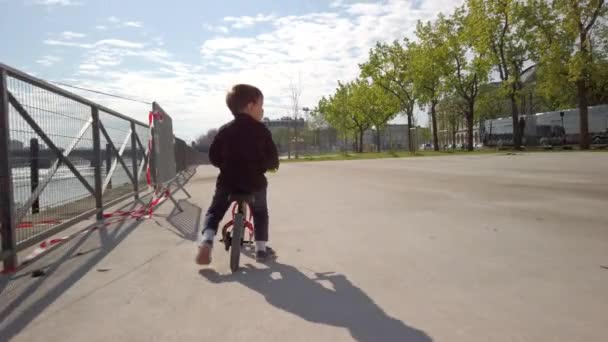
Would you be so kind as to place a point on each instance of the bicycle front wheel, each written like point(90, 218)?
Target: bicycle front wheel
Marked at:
point(237, 237)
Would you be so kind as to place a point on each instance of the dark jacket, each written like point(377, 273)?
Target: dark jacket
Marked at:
point(243, 150)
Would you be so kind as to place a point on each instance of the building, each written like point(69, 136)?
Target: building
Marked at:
point(549, 128)
point(463, 134)
point(392, 137)
point(284, 122)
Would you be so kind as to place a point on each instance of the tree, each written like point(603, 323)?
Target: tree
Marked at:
point(500, 26)
point(281, 137)
point(429, 58)
point(467, 67)
point(490, 104)
point(203, 142)
point(295, 91)
point(449, 115)
point(340, 112)
point(425, 133)
point(356, 120)
point(373, 103)
point(316, 123)
point(550, 48)
point(389, 66)
point(563, 32)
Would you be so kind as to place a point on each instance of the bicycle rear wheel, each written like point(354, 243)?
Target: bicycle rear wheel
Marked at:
point(237, 237)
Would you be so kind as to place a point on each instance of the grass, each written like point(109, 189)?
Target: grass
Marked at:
point(382, 155)
point(406, 154)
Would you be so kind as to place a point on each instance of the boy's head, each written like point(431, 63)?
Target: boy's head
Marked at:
point(247, 99)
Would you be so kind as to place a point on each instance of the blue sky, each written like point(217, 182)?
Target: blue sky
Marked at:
point(185, 54)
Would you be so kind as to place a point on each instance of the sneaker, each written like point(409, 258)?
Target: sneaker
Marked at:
point(262, 256)
point(204, 253)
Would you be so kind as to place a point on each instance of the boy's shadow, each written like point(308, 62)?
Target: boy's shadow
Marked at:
point(346, 305)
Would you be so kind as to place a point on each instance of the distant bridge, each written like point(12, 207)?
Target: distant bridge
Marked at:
point(46, 158)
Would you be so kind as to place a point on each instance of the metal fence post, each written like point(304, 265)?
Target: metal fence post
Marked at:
point(7, 219)
point(97, 162)
point(108, 164)
point(134, 160)
point(35, 172)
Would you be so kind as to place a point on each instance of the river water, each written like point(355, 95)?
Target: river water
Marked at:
point(64, 187)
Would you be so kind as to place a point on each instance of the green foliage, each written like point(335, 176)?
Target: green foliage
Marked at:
point(449, 65)
point(429, 59)
point(389, 67)
point(569, 43)
point(373, 103)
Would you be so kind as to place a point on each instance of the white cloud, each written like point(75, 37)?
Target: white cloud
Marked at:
point(136, 24)
point(247, 21)
point(217, 29)
point(103, 42)
point(88, 67)
point(118, 23)
point(101, 27)
point(48, 60)
point(119, 43)
point(159, 41)
point(62, 43)
point(59, 3)
point(322, 47)
point(336, 3)
point(368, 9)
point(69, 35)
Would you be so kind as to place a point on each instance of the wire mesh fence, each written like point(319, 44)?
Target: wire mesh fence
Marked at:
point(63, 158)
point(45, 193)
point(117, 169)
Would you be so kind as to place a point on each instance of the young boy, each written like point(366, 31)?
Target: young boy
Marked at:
point(243, 150)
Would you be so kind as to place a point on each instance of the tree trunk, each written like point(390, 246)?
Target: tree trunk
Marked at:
point(409, 132)
point(584, 114)
point(434, 119)
point(296, 137)
point(379, 148)
point(361, 132)
point(318, 140)
point(470, 123)
point(515, 117)
point(288, 143)
point(582, 96)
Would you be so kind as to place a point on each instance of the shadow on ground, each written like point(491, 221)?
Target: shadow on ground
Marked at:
point(346, 305)
point(23, 297)
point(186, 223)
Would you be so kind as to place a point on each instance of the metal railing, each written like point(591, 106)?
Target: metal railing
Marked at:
point(63, 158)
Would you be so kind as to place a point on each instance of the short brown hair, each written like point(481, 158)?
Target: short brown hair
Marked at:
point(241, 95)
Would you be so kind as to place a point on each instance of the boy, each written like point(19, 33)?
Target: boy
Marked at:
point(243, 150)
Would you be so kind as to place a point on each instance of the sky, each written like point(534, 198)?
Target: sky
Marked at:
point(186, 54)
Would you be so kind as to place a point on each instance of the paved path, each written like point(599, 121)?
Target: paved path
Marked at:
point(478, 248)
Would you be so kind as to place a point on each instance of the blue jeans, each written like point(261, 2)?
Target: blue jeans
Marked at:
point(221, 203)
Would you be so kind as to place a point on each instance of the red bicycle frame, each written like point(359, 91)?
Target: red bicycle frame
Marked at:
point(248, 222)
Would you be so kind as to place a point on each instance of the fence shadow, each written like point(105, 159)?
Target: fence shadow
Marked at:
point(346, 306)
point(186, 223)
point(23, 297)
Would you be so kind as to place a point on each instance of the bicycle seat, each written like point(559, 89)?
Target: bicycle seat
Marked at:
point(242, 197)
